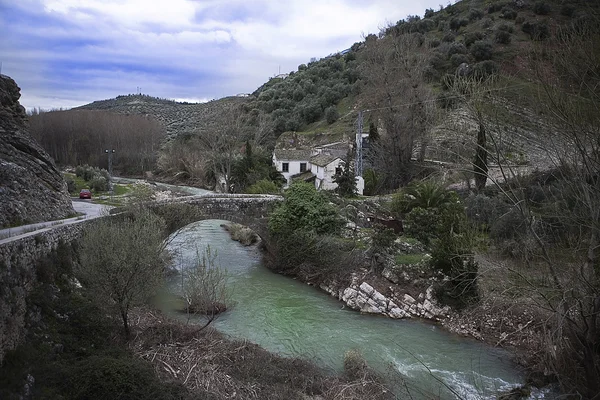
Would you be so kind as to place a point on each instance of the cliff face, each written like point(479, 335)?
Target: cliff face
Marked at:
point(31, 187)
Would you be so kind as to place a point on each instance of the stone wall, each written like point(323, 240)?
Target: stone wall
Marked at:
point(18, 259)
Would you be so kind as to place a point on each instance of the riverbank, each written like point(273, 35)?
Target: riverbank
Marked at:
point(407, 291)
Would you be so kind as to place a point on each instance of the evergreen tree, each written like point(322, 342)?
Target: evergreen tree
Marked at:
point(346, 181)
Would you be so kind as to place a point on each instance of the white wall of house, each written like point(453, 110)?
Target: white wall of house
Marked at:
point(293, 168)
point(324, 175)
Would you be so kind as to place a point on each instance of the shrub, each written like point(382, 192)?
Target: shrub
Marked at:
point(482, 50)
point(475, 14)
point(331, 114)
point(508, 13)
point(510, 225)
point(484, 69)
point(456, 48)
point(537, 30)
point(472, 37)
point(567, 10)
point(448, 37)
point(429, 13)
point(506, 27)
point(483, 210)
point(305, 209)
point(71, 186)
point(495, 7)
point(541, 8)
point(503, 37)
point(99, 183)
point(264, 186)
point(434, 43)
point(457, 23)
point(458, 59)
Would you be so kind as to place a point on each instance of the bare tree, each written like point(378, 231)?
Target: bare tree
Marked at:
point(203, 287)
point(397, 95)
point(223, 146)
point(122, 261)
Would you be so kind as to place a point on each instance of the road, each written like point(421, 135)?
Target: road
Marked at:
point(86, 208)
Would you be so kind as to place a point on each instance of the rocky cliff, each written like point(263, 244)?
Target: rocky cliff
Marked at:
point(31, 188)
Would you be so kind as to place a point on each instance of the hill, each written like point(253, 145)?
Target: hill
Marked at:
point(177, 118)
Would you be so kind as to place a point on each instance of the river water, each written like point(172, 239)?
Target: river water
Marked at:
point(294, 319)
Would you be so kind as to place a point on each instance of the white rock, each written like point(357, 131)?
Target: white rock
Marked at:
point(366, 288)
point(409, 299)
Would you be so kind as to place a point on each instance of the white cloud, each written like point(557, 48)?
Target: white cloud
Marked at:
point(184, 49)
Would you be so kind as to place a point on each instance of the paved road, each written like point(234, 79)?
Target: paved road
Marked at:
point(86, 207)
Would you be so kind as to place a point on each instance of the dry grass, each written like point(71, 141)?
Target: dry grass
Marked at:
point(213, 366)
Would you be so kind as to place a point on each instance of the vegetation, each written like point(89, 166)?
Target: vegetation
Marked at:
point(79, 137)
point(122, 261)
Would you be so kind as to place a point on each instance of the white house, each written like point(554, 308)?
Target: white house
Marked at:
point(324, 167)
point(319, 165)
point(291, 162)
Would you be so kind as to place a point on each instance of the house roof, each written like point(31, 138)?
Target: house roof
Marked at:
point(323, 159)
point(293, 154)
point(306, 176)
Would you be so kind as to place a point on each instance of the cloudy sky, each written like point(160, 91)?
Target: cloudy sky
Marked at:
point(65, 53)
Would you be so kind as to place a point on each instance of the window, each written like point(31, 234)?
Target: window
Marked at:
point(338, 170)
point(285, 167)
point(302, 167)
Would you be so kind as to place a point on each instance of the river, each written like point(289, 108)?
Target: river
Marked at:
point(294, 319)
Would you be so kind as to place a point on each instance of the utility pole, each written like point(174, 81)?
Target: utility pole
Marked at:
point(110, 153)
point(358, 165)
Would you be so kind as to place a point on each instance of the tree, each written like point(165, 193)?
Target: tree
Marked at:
point(122, 261)
point(346, 181)
point(393, 71)
point(203, 287)
point(565, 219)
point(304, 209)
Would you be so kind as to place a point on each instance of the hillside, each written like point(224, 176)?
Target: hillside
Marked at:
point(178, 118)
point(430, 82)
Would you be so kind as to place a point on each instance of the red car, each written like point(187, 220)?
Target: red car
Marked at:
point(85, 194)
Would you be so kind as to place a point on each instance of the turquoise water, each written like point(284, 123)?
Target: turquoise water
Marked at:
point(294, 319)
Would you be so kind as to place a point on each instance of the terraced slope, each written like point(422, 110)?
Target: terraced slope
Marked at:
point(178, 118)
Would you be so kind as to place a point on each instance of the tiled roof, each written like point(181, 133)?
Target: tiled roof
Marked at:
point(306, 176)
point(323, 159)
point(293, 154)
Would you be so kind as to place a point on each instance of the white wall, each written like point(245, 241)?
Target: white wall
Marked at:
point(293, 169)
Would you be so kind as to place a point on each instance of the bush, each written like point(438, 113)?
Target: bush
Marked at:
point(458, 59)
point(483, 210)
point(503, 37)
point(71, 186)
point(541, 8)
point(99, 184)
point(482, 50)
point(448, 37)
point(472, 37)
point(567, 10)
point(124, 378)
point(475, 14)
point(456, 48)
point(331, 114)
point(264, 186)
point(457, 23)
point(536, 30)
point(484, 69)
point(304, 208)
point(508, 13)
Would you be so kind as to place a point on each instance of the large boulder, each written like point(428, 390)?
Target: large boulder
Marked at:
point(31, 187)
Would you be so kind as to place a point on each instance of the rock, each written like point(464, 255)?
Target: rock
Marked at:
point(390, 274)
point(31, 187)
point(409, 299)
point(366, 288)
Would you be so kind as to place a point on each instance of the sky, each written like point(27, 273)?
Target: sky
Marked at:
point(66, 53)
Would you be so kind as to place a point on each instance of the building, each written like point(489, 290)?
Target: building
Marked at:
point(318, 165)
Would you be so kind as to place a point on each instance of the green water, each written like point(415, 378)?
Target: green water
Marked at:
point(294, 319)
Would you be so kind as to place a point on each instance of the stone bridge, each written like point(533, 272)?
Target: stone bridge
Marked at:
point(245, 209)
